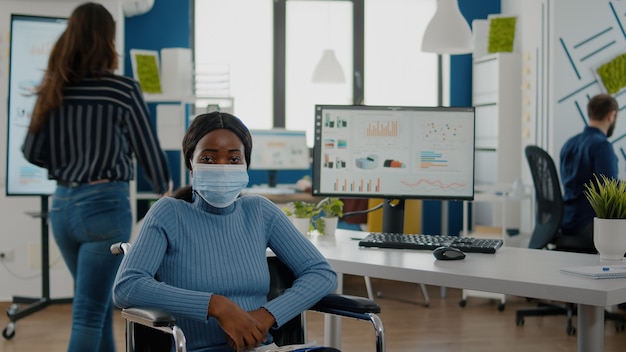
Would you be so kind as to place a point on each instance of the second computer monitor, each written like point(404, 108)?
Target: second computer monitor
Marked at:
point(394, 152)
point(279, 149)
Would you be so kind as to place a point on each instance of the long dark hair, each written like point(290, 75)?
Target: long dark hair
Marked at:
point(85, 48)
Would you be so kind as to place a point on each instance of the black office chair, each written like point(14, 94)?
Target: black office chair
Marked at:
point(547, 234)
point(153, 330)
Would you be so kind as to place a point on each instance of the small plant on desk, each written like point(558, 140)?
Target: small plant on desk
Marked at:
point(330, 208)
point(607, 197)
point(302, 210)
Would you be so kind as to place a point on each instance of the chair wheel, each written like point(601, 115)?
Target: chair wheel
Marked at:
point(13, 308)
point(462, 303)
point(9, 331)
point(519, 321)
point(571, 331)
point(619, 326)
point(501, 307)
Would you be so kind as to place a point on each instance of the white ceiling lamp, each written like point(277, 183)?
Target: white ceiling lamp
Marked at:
point(133, 8)
point(328, 69)
point(448, 32)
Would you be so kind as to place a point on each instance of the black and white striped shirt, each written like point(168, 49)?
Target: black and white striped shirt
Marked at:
point(94, 134)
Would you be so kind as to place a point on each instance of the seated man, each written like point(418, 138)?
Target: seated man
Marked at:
point(203, 257)
point(583, 155)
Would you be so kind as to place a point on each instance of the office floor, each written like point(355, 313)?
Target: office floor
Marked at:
point(442, 327)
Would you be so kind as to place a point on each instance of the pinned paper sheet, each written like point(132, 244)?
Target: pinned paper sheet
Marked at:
point(145, 65)
point(170, 130)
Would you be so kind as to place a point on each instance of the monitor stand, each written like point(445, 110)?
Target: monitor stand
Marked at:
point(271, 178)
point(393, 216)
point(393, 222)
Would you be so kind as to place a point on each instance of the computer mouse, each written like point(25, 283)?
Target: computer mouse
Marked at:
point(448, 253)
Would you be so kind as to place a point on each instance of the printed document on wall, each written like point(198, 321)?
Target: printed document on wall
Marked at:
point(169, 121)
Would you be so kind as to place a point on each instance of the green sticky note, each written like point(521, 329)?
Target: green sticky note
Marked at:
point(501, 34)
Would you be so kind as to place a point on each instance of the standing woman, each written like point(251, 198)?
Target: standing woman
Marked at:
point(87, 125)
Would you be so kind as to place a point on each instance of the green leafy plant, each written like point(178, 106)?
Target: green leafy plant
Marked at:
point(328, 208)
point(301, 209)
point(331, 207)
point(607, 197)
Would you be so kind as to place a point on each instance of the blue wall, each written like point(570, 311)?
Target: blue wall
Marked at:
point(167, 25)
point(460, 95)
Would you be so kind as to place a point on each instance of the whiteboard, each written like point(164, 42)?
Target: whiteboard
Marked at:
point(32, 38)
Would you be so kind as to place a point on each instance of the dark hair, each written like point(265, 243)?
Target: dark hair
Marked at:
point(85, 49)
point(185, 193)
point(205, 123)
point(600, 106)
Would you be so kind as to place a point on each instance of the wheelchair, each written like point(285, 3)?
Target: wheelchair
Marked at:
point(154, 330)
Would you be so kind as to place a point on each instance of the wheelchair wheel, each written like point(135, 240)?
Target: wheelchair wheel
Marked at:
point(9, 331)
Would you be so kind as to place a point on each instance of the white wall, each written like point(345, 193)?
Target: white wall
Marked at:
point(533, 99)
point(562, 41)
point(19, 232)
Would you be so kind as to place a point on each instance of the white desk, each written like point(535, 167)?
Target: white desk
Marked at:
point(515, 271)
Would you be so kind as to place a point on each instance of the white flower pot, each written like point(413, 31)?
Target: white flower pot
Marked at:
point(302, 224)
point(330, 225)
point(609, 237)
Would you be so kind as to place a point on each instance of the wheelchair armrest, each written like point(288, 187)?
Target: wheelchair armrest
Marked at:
point(149, 317)
point(356, 307)
point(347, 305)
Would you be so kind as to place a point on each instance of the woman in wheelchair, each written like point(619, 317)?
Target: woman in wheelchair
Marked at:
point(202, 257)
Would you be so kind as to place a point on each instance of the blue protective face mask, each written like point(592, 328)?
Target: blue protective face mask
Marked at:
point(219, 184)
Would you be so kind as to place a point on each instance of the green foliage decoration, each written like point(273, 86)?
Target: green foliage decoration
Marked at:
point(613, 74)
point(501, 34)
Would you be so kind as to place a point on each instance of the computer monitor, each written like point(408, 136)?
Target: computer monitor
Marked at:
point(394, 153)
point(32, 38)
point(279, 149)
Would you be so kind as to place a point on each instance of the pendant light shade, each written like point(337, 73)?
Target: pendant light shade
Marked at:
point(448, 32)
point(328, 70)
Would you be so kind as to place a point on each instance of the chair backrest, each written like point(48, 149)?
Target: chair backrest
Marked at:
point(548, 197)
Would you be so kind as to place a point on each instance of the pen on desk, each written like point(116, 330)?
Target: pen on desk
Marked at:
point(355, 238)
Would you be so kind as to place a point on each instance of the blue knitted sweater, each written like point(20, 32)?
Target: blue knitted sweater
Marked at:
point(185, 252)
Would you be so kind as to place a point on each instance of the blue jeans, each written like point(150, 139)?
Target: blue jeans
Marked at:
point(85, 221)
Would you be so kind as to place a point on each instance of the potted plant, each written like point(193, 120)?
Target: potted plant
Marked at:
point(301, 213)
point(330, 210)
point(607, 197)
